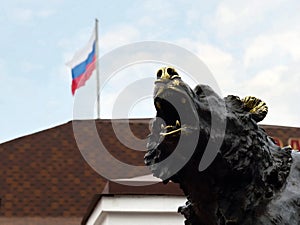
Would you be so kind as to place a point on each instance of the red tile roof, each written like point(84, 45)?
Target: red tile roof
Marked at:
point(45, 175)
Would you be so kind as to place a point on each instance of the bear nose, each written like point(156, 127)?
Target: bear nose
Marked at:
point(166, 73)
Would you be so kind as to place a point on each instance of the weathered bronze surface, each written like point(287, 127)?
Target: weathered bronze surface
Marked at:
point(251, 181)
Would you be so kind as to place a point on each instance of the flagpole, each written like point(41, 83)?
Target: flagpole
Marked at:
point(97, 70)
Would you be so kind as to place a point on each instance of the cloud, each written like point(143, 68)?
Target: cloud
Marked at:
point(30, 67)
point(159, 9)
point(273, 57)
point(45, 13)
point(108, 40)
point(25, 15)
point(117, 37)
point(270, 82)
point(285, 45)
point(255, 65)
point(278, 87)
point(22, 15)
point(192, 16)
point(125, 90)
point(18, 97)
point(236, 16)
point(221, 63)
point(2, 69)
point(158, 19)
point(76, 41)
point(274, 83)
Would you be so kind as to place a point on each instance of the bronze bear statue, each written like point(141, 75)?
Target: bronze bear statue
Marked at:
point(250, 180)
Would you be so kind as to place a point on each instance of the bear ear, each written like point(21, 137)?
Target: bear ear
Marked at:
point(256, 107)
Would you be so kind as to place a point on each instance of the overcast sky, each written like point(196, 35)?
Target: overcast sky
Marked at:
point(251, 48)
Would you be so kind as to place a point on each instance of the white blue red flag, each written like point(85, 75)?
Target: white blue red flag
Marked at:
point(83, 64)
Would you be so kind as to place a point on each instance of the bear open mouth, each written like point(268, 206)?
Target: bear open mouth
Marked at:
point(167, 112)
point(177, 116)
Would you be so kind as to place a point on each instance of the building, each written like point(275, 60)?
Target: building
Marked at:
point(44, 178)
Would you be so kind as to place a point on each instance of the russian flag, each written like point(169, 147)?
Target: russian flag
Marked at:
point(83, 64)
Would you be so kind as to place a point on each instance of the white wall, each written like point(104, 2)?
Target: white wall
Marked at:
point(137, 210)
